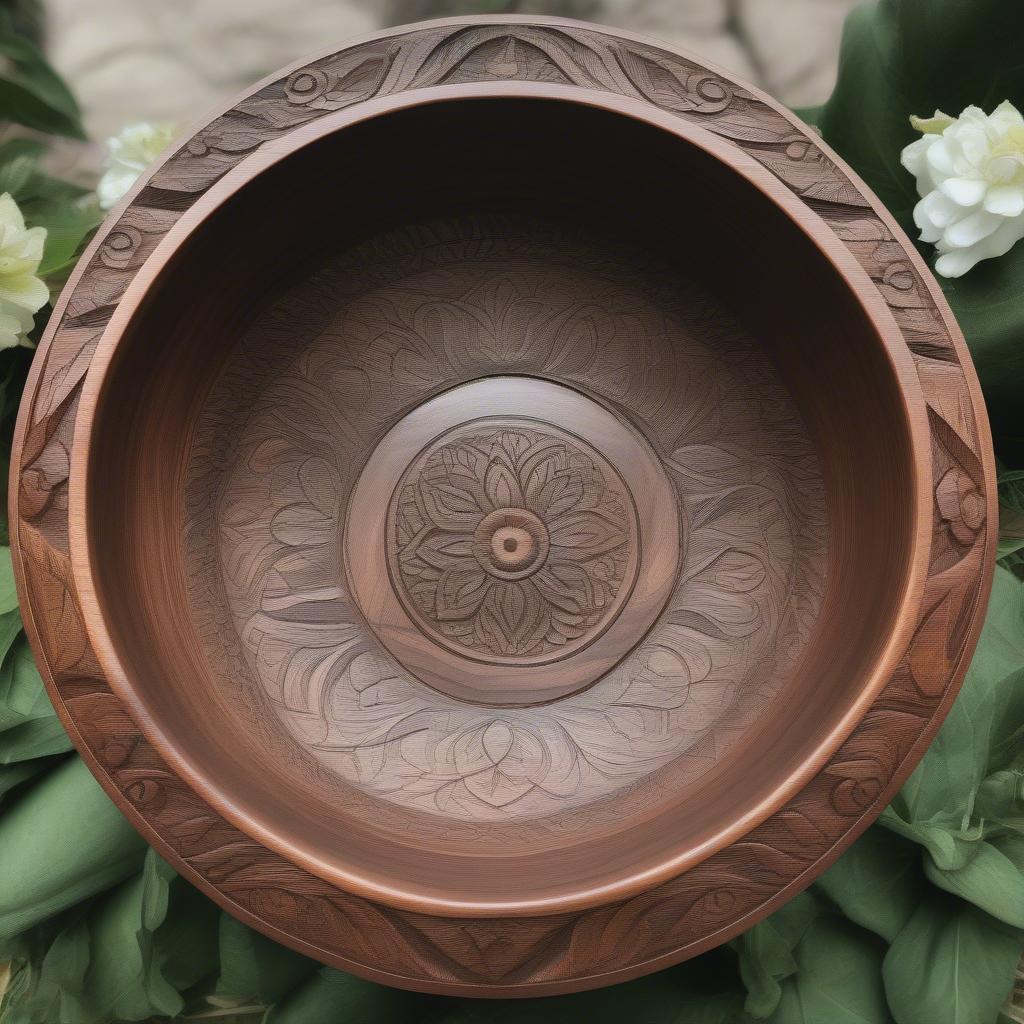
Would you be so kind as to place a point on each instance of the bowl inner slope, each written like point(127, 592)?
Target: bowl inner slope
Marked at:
point(497, 501)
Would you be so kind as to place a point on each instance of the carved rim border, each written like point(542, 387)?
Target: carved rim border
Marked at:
point(508, 956)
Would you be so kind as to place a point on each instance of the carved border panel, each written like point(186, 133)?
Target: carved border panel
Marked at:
point(728, 891)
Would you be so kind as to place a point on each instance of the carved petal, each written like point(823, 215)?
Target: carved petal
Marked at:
point(503, 490)
point(666, 672)
point(584, 534)
point(514, 618)
point(568, 586)
point(449, 507)
point(559, 495)
point(320, 486)
point(733, 614)
point(440, 548)
point(734, 570)
point(460, 590)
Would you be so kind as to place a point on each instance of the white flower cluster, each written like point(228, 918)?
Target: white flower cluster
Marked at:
point(129, 153)
point(970, 175)
point(22, 294)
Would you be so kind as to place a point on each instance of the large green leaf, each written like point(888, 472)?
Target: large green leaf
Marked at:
point(838, 977)
point(766, 960)
point(31, 92)
point(330, 997)
point(67, 212)
point(903, 57)
point(878, 882)
point(62, 842)
point(766, 953)
point(989, 879)
point(253, 968)
point(952, 963)
point(68, 225)
point(1011, 511)
point(29, 727)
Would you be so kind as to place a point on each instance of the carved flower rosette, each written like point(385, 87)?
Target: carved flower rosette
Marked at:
point(512, 542)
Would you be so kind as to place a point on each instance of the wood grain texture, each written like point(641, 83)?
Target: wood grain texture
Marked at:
point(613, 937)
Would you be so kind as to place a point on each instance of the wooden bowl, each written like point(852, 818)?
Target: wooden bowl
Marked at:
point(524, 507)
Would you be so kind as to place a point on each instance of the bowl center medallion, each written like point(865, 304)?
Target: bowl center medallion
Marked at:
point(512, 540)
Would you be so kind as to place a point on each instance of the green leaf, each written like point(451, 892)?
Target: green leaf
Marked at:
point(254, 967)
point(14, 775)
point(330, 997)
point(951, 963)
point(8, 590)
point(68, 214)
point(766, 953)
point(988, 879)
point(31, 92)
point(1011, 511)
point(1000, 800)
point(125, 977)
point(67, 228)
point(878, 882)
point(688, 994)
point(29, 727)
point(766, 959)
point(60, 843)
point(186, 940)
point(903, 57)
point(19, 162)
point(838, 977)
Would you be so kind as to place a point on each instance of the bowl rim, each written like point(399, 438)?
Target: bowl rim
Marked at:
point(240, 812)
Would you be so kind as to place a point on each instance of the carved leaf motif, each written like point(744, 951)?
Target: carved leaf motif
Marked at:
point(949, 604)
point(658, 81)
point(665, 678)
point(52, 591)
point(585, 533)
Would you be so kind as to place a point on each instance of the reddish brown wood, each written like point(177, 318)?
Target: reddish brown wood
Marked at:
point(527, 510)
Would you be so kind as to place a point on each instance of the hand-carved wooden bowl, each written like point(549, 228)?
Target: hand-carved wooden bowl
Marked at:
point(502, 507)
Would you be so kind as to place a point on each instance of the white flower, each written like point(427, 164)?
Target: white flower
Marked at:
point(128, 154)
point(22, 294)
point(970, 173)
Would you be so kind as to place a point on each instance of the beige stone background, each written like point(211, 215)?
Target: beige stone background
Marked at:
point(132, 60)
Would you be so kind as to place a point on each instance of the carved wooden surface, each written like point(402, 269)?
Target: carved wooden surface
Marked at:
point(717, 646)
point(511, 539)
point(709, 902)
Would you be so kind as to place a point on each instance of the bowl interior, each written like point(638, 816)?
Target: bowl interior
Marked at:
point(512, 251)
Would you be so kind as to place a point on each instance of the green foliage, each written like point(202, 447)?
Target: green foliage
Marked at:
point(1011, 512)
point(951, 963)
point(31, 92)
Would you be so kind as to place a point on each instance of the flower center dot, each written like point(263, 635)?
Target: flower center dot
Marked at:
point(512, 547)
